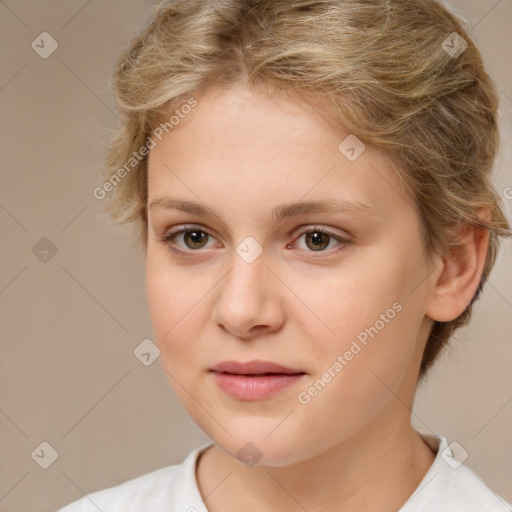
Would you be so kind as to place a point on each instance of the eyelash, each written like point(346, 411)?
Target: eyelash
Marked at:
point(169, 236)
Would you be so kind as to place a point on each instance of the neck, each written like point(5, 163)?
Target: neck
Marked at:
point(378, 465)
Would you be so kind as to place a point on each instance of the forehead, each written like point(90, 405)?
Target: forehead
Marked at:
point(269, 150)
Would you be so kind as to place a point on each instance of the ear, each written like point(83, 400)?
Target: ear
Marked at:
point(461, 271)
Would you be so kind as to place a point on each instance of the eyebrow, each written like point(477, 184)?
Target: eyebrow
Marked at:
point(280, 212)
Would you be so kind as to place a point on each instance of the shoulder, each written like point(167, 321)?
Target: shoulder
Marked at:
point(155, 491)
point(451, 486)
point(464, 488)
point(129, 494)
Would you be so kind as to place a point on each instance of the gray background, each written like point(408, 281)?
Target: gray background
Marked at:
point(69, 325)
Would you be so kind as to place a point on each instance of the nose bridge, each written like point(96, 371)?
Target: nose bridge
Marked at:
point(247, 271)
point(245, 292)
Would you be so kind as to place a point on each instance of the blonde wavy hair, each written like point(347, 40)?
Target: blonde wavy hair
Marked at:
point(377, 68)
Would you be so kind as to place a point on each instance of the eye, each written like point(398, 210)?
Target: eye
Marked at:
point(317, 239)
point(193, 238)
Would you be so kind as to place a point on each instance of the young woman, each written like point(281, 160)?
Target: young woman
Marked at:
point(312, 183)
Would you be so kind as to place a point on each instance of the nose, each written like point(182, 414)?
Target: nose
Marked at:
point(248, 302)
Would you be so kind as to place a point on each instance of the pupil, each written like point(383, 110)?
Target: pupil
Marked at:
point(196, 236)
point(318, 238)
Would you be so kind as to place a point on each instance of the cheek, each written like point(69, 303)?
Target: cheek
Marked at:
point(370, 314)
point(358, 376)
point(171, 313)
point(158, 294)
point(355, 295)
point(171, 299)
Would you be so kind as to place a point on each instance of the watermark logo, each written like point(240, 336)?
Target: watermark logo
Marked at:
point(249, 454)
point(305, 397)
point(146, 352)
point(351, 148)
point(137, 156)
point(45, 455)
point(454, 455)
point(454, 45)
point(44, 45)
point(249, 249)
point(44, 250)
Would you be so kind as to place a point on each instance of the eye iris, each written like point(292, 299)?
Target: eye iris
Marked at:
point(317, 237)
point(196, 237)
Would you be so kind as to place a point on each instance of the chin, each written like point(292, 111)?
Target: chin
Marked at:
point(260, 449)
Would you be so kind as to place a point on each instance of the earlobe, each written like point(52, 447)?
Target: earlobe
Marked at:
point(462, 267)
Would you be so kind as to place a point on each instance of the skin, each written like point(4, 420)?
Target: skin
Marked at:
point(352, 447)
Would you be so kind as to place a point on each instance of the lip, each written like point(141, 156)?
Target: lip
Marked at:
point(254, 367)
point(254, 380)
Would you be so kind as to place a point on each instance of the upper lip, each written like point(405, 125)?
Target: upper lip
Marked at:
point(252, 368)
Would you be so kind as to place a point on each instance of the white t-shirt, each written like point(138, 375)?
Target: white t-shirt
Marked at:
point(447, 487)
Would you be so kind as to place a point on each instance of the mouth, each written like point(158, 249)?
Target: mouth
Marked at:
point(254, 368)
point(254, 380)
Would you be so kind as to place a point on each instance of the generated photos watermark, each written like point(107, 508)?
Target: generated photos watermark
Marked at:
point(137, 156)
point(357, 345)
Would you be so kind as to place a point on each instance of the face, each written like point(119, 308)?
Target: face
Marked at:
point(334, 296)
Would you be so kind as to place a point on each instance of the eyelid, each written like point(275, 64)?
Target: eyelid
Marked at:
point(186, 227)
point(315, 227)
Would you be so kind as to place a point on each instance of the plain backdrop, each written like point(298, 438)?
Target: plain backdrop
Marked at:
point(72, 295)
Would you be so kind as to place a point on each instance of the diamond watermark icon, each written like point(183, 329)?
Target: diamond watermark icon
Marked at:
point(45, 455)
point(146, 352)
point(249, 249)
point(454, 45)
point(249, 454)
point(44, 45)
point(44, 250)
point(351, 148)
point(454, 455)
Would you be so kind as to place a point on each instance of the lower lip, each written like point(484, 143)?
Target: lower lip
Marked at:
point(255, 387)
